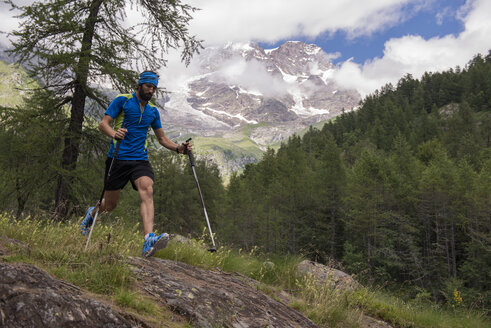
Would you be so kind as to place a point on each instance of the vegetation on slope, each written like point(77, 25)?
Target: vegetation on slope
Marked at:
point(58, 248)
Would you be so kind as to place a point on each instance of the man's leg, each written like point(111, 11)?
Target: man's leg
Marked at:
point(152, 243)
point(109, 202)
point(144, 185)
point(110, 198)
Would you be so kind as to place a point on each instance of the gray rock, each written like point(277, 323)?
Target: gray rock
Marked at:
point(214, 298)
point(29, 297)
point(323, 274)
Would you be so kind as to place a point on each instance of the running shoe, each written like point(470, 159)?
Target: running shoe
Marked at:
point(154, 243)
point(87, 221)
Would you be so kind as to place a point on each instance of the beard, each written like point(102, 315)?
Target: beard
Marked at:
point(144, 95)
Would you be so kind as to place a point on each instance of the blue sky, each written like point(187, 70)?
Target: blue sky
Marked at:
point(437, 20)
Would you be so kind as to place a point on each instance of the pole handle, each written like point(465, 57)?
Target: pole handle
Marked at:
point(190, 154)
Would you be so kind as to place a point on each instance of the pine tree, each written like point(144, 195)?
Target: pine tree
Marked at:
point(71, 45)
point(477, 267)
point(367, 221)
point(26, 155)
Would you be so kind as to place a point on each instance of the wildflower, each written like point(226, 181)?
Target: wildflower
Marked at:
point(457, 297)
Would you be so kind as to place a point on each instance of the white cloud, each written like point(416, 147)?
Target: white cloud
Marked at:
point(441, 15)
point(7, 20)
point(251, 75)
point(220, 21)
point(415, 55)
point(7, 23)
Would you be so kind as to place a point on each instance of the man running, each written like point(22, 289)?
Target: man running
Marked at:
point(132, 116)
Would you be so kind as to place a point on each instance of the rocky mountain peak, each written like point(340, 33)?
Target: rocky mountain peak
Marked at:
point(242, 83)
point(299, 58)
point(274, 92)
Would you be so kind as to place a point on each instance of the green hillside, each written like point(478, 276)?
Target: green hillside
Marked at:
point(398, 191)
point(13, 81)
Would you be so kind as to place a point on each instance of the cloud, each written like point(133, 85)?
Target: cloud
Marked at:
point(441, 15)
point(7, 23)
point(250, 75)
point(221, 21)
point(416, 55)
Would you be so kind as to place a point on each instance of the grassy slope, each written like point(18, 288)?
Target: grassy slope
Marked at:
point(58, 248)
point(12, 80)
point(237, 146)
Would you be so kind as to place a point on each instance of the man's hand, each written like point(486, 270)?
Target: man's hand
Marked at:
point(120, 133)
point(185, 147)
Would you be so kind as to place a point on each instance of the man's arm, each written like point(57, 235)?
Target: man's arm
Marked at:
point(169, 144)
point(105, 127)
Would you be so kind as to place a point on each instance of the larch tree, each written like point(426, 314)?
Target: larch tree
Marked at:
point(73, 46)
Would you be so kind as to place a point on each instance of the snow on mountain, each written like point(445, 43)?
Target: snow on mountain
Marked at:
point(243, 84)
point(272, 92)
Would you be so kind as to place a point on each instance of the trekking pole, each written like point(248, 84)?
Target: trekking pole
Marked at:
point(191, 159)
point(98, 205)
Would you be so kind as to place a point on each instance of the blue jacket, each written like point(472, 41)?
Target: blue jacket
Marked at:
point(125, 110)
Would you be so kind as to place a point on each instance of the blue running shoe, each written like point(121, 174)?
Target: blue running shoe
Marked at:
point(87, 221)
point(154, 243)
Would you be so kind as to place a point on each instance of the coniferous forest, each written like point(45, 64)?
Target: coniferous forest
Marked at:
point(397, 192)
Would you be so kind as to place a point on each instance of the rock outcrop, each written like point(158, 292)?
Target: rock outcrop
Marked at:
point(213, 298)
point(30, 297)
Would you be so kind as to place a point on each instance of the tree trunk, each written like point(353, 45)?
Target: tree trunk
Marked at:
point(21, 199)
point(454, 256)
point(74, 132)
point(333, 232)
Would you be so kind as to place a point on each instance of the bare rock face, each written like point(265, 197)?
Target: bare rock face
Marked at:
point(29, 297)
point(213, 298)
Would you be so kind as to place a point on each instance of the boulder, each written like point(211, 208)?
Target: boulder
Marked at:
point(323, 274)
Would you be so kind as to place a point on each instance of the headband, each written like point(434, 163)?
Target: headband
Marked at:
point(149, 77)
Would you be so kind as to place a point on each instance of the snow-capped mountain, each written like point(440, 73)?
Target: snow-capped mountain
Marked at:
point(276, 92)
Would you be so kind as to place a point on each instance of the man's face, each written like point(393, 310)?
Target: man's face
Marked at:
point(146, 91)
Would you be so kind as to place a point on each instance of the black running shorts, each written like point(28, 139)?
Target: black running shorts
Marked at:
point(124, 171)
